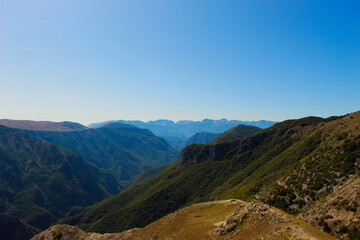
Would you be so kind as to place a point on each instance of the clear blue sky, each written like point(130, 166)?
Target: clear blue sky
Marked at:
point(90, 61)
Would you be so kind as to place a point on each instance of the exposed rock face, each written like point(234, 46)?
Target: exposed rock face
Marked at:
point(198, 153)
point(256, 211)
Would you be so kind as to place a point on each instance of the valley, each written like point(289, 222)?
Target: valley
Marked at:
point(179, 120)
point(262, 167)
point(252, 167)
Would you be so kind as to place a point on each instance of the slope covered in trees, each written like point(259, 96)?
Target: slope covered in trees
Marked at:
point(122, 149)
point(269, 165)
point(40, 182)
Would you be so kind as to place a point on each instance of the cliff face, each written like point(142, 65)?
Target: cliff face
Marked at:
point(195, 154)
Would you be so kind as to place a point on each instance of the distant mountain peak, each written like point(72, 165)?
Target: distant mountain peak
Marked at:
point(118, 125)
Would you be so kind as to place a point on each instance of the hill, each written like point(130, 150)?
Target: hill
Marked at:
point(122, 149)
point(42, 125)
point(236, 132)
point(230, 219)
point(231, 134)
point(296, 165)
point(40, 182)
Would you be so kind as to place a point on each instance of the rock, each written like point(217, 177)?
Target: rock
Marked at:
point(231, 227)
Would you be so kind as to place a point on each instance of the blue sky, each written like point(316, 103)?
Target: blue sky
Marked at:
point(91, 61)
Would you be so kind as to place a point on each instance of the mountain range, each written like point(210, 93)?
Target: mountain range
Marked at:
point(307, 167)
point(53, 170)
point(42, 125)
point(177, 133)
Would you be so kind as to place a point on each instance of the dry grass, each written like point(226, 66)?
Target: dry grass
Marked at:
point(199, 222)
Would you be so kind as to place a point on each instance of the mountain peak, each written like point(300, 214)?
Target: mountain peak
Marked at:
point(119, 125)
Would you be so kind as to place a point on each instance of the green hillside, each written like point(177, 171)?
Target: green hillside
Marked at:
point(40, 182)
point(267, 165)
point(141, 177)
point(122, 149)
point(236, 132)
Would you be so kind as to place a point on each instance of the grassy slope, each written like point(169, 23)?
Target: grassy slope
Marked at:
point(205, 220)
point(244, 168)
point(236, 132)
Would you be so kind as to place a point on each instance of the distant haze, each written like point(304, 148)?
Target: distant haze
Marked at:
point(177, 134)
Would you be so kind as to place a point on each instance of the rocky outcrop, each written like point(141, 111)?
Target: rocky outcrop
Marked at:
point(251, 211)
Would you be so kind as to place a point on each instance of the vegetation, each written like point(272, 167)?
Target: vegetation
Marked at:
point(236, 132)
point(122, 149)
point(269, 165)
point(40, 182)
point(139, 178)
point(14, 228)
point(229, 219)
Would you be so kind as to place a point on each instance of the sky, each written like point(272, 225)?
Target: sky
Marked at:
point(95, 60)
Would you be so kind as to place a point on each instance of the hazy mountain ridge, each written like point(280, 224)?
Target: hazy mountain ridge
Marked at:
point(40, 182)
point(201, 137)
point(245, 168)
point(42, 125)
point(177, 133)
point(123, 149)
